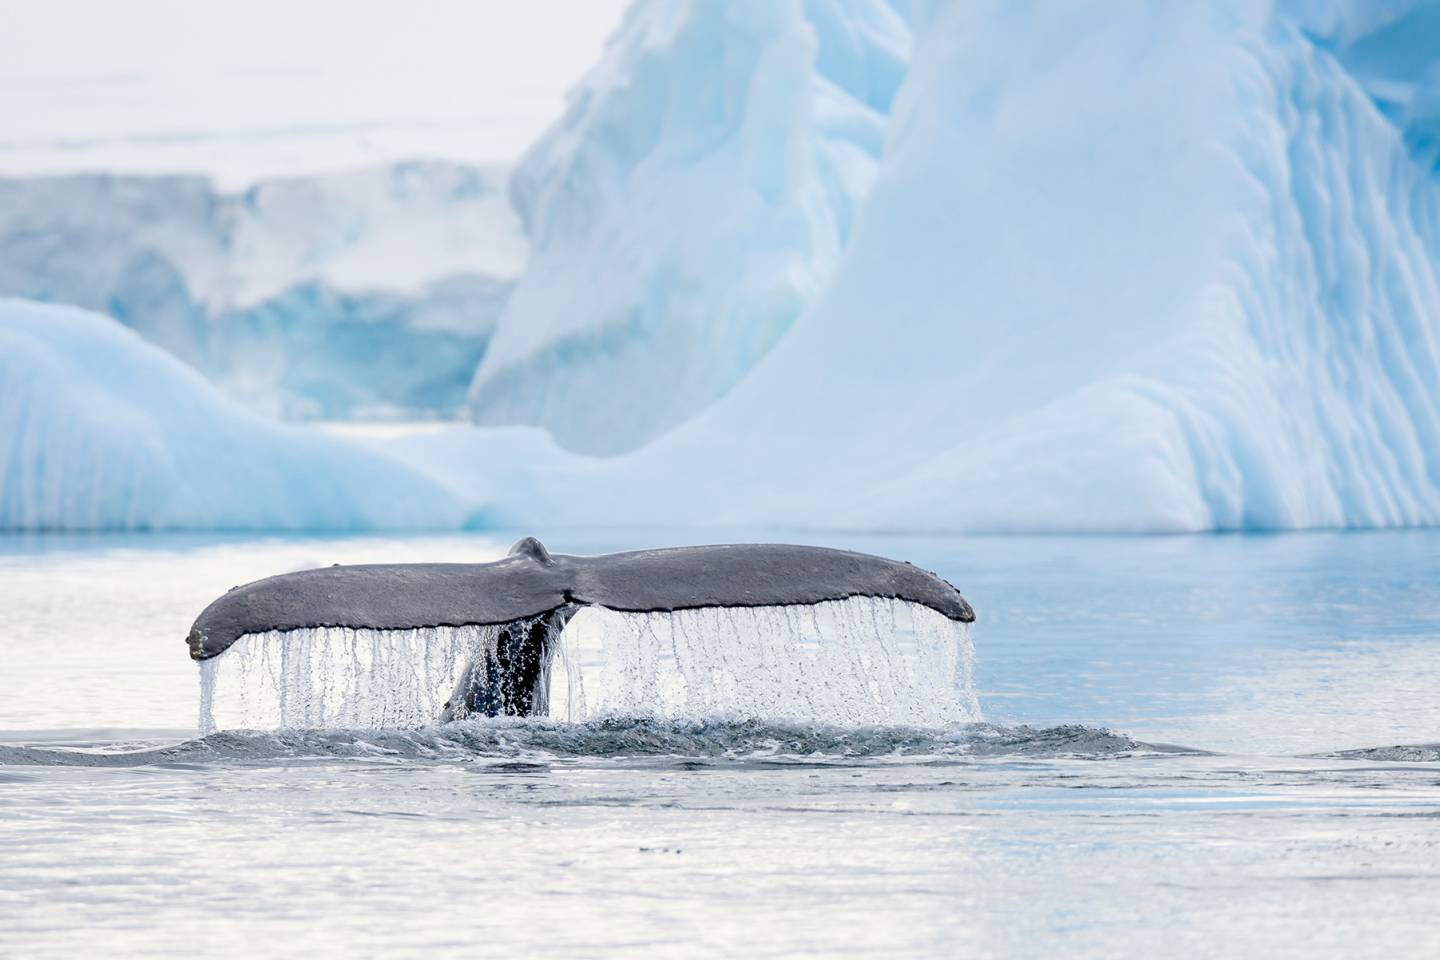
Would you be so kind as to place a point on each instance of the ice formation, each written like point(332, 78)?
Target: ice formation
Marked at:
point(1176, 272)
point(100, 430)
point(1122, 267)
point(692, 200)
point(850, 662)
point(369, 293)
point(1390, 49)
point(993, 266)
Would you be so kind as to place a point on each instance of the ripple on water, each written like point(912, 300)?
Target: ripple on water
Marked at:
point(534, 741)
point(1402, 753)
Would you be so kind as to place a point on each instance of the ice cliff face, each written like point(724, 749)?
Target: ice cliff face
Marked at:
point(1155, 266)
point(691, 202)
point(350, 294)
point(1390, 48)
point(1138, 266)
point(100, 430)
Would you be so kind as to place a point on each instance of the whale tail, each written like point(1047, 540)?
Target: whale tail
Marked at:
point(495, 627)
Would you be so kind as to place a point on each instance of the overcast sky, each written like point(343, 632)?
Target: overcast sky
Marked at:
point(263, 87)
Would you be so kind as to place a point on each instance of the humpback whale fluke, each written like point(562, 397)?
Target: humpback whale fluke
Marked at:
point(530, 595)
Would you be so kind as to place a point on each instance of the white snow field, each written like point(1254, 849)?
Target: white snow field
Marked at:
point(363, 293)
point(100, 430)
point(693, 198)
point(1138, 266)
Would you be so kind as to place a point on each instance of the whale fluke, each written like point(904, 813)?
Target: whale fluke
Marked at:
point(531, 593)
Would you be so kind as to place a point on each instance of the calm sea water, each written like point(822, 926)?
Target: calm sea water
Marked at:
point(1192, 746)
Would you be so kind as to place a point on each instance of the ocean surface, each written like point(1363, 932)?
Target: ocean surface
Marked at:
point(1189, 746)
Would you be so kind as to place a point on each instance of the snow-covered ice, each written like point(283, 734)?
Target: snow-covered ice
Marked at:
point(989, 266)
point(100, 430)
point(692, 200)
point(1123, 267)
point(360, 293)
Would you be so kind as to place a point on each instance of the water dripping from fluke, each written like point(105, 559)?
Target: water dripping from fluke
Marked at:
point(856, 662)
point(751, 632)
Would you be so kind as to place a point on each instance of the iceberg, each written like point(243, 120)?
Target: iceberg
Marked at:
point(692, 200)
point(1390, 49)
point(1141, 267)
point(101, 430)
point(981, 266)
point(362, 294)
point(1164, 268)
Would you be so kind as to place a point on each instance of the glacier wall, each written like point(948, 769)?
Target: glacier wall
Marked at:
point(369, 293)
point(101, 430)
point(690, 203)
point(1123, 267)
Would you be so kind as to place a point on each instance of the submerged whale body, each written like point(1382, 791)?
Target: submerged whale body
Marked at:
point(531, 594)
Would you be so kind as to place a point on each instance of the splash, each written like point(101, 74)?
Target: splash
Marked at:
point(860, 661)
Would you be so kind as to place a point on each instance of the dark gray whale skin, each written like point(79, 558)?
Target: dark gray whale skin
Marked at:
point(531, 583)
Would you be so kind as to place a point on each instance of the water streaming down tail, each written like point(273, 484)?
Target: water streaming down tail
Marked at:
point(859, 661)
